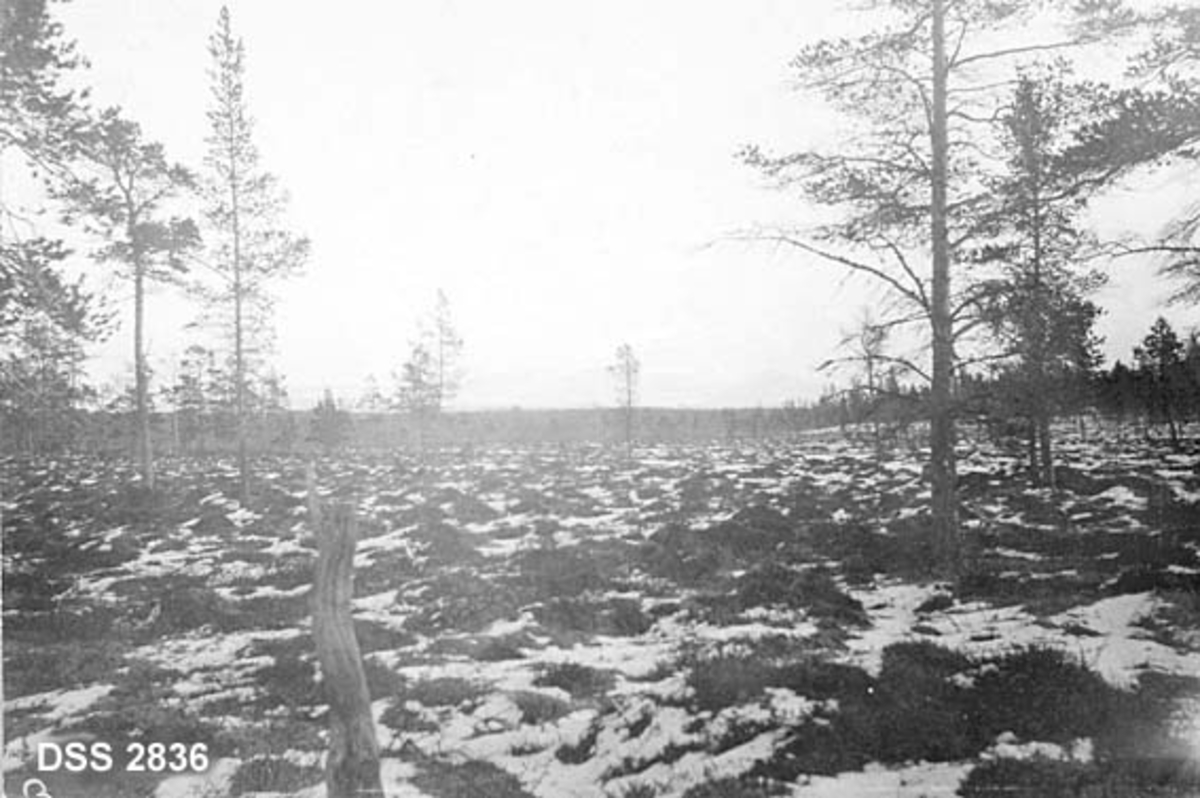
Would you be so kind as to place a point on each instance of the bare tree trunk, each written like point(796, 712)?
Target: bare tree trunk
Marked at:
point(352, 766)
point(141, 375)
point(1045, 448)
point(944, 501)
point(239, 366)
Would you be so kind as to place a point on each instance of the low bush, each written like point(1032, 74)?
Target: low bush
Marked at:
point(1040, 693)
point(638, 791)
point(382, 680)
point(471, 779)
point(447, 691)
point(776, 585)
point(290, 682)
point(498, 649)
point(273, 774)
point(1039, 777)
point(737, 787)
point(727, 680)
point(618, 617)
point(580, 681)
point(538, 708)
point(921, 713)
point(32, 669)
point(151, 720)
point(731, 679)
point(400, 718)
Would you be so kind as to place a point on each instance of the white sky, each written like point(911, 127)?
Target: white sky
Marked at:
point(558, 168)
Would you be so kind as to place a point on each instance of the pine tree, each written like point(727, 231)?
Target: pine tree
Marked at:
point(1160, 360)
point(45, 320)
point(244, 203)
point(625, 369)
point(118, 187)
point(416, 394)
point(1036, 308)
point(445, 345)
point(907, 181)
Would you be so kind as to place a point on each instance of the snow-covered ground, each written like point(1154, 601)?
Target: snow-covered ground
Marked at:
point(565, 616)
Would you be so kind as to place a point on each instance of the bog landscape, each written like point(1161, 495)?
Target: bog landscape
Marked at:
point(863, 460)
point(721, 620)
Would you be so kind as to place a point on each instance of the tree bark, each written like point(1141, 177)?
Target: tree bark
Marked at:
point(944, 502)
point(141, 377)
point(352, 766)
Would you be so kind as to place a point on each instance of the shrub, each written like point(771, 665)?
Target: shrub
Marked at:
point(471, 779)
point(291, 682)
point(817, 678)
point(922, 715)
point(374, 636)
point(580, 681)
point(622, 617)
point(273, 774)
point(773, 584)
point(398, 717)
point(382, 680)
point(1039, 777)
point(151, 720)
point(538, 708)
point(29, 669)
point(727, 680)
point(497, 649)
point(1038, 693)
point(638, 791)
point(736, 787)
point(448, 691)
point(273, 738)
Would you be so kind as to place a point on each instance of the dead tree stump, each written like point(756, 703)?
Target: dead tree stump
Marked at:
point(352, 768)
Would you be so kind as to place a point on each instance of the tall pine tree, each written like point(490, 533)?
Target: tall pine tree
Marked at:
point(249, 249)
point(919, 83)
point(1036, 306)
point(119, 187)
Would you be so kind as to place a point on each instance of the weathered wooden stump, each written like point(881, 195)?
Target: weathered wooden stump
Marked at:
point(352, 767)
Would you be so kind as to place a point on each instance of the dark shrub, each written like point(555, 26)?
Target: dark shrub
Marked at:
point(742, 787)
point(922, 715)
point(1039, 693)
point(36, 669)
point(498, 649)
point(400, 718)
point(471, 779)
point(447, 691)
point(538, 708)
point(579, 680)
point(727, 680)
point(1044, 778)
point(815, 591)
point(273, 774)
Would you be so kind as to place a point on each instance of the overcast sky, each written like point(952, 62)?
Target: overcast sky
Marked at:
point(560, 169)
